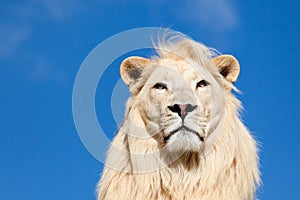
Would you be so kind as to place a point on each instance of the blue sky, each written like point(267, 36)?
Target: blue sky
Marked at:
point(43, 43)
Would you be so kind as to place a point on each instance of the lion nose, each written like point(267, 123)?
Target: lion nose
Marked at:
point(182, 109)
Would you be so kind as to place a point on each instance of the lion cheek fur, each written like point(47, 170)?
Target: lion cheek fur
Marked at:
point(228, 172)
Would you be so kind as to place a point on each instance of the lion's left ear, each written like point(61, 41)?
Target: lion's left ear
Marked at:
point(131, 69)
point(228, 66)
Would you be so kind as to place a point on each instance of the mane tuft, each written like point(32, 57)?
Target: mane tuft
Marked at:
point(173, 44)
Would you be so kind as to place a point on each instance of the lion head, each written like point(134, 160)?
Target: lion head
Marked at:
point(181, 129)
point(182, 96)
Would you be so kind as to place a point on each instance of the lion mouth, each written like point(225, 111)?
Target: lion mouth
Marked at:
point(166, 138)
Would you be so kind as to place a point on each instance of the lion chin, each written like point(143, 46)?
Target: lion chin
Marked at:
point(183, 140)
point(182, 137)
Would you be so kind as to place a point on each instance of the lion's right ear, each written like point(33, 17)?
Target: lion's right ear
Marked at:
point(131, 69)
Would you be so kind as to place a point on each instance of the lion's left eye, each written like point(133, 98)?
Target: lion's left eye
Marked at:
point(160, 86)
point(202, 84)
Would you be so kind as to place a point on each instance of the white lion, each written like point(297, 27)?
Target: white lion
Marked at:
point(182, 137)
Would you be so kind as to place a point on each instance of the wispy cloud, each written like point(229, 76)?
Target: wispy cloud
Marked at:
point(220, 15)
point(215, 15)
point(19, 19)
point(43, 71)
point(17, 22)
point(11, 37)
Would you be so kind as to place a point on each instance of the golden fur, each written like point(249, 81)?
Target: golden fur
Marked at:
point(141, 164)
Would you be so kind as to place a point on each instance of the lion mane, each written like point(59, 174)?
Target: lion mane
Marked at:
point(182, 136)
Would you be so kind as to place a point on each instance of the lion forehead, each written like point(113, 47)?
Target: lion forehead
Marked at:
point(174, 72)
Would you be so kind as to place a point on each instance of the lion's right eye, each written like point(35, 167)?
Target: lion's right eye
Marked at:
point(160, 86)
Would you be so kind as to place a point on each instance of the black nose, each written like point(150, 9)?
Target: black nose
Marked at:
point(182, 109)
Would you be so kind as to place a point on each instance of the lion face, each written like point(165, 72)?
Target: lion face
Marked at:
point(183, 100)
point(179, 98)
